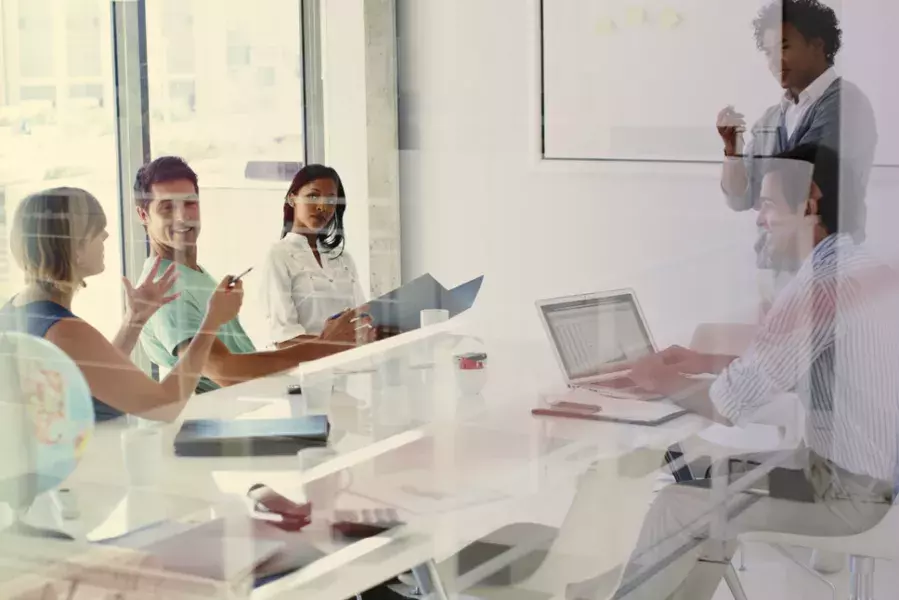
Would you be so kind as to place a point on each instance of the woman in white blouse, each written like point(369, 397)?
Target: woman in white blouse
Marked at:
point(308, 277)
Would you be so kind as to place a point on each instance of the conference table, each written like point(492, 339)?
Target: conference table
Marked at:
point(407, 434)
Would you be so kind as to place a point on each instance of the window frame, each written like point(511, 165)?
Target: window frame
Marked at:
point(132, 110)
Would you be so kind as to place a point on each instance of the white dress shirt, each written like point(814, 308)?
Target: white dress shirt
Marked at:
point(795, 111)
point(298, 295)
point(832, 337)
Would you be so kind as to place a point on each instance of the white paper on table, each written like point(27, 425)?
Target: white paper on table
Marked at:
point(201, 408)
point(256, 400)
point(618, 408)
point(418, 493)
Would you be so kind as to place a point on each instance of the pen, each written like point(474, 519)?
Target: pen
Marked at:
point(340, 314)
point(239, 277)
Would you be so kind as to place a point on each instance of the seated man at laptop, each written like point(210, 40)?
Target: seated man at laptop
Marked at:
point(168, 204)
point(832, 338)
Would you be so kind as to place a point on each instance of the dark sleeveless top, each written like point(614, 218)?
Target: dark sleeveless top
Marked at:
point(36, 318)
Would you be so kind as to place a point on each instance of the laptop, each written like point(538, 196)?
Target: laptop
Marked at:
point(595, 337)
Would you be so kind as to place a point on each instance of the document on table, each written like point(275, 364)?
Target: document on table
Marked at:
point(418, 493)
point(619, 409)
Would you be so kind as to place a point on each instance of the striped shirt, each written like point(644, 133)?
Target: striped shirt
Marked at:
point(832, 337)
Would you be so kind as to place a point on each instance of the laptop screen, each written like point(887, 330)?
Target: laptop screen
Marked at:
point(590, 333)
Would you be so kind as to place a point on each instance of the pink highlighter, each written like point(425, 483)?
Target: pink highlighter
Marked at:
point(570, 410)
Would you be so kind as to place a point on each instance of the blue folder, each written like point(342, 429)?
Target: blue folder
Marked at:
point(400, 310)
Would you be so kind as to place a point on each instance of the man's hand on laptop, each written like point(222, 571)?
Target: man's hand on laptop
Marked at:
point(686, 361)
point(690, 362)
point(683, 360)
point(653, 374)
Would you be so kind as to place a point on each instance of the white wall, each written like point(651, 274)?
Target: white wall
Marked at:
point(343, 73)
point(359, 77)
point(476, 197)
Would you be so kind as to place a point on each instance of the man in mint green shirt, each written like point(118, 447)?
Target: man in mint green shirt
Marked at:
point(177, 323)
point(168, 204)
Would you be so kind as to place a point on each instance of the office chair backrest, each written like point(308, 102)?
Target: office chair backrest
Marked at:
point(46, 417)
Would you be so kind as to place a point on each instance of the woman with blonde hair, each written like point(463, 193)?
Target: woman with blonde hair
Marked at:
point(57, 239)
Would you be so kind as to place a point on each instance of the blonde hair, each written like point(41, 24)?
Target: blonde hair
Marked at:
point(48, 228)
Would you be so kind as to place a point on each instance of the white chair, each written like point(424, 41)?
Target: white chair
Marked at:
point(597, 535)
point(878, 543)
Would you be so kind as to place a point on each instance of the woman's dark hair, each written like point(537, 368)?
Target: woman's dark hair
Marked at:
point(811, 18)
point(840, 207)
point(331, 237)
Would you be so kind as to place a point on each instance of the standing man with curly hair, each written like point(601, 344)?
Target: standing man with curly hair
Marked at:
point(801, 39)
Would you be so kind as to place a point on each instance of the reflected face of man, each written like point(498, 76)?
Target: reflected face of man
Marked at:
point(793, 60)
point(172, 217)
point(786, 230)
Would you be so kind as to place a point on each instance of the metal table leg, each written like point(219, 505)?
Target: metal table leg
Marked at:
point(428, 580)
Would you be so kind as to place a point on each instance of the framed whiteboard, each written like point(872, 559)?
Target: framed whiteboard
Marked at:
point(644, 81)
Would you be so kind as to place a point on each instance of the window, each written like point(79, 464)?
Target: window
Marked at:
point(226, 88)
point(83, 51)
point(35, 48)
point(57, 128)
point(4, 255)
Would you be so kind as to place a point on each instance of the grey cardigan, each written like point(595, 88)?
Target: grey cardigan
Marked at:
point(842, 119)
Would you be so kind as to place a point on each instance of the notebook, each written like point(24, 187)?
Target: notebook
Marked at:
point(616, 410)
point(251, 437)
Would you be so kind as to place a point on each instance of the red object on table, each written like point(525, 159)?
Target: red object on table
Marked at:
point(470, 364)
point(267, 502)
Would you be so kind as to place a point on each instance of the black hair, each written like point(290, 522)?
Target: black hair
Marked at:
point(331, 237)
point(811, 18)
point(161, 170)
point(838, 209)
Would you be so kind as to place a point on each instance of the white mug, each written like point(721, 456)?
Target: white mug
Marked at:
point(142, 452)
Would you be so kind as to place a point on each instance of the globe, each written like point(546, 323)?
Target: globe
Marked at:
point(46, 417)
